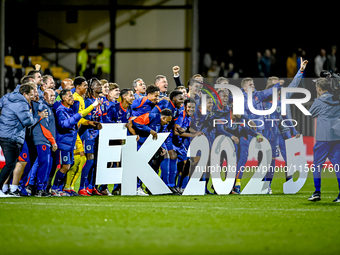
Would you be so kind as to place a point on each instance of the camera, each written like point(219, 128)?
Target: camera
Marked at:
point(334, 81)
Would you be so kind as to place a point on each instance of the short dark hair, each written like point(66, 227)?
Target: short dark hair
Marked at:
point(175, 93)
point(189, 100)
point(83, 45)
point(166, 112)
point(25, 89)
point(26, 79)
point(151, 89)
point(78, 81)
point(33, 72)
point(124, 92)
point(63, 93)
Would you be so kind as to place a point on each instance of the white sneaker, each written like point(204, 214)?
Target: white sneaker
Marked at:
point(4, 195)
point(270, 192)
point(140, 192)
point(55, 193)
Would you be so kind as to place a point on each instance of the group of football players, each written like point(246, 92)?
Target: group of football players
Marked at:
point(65, 124)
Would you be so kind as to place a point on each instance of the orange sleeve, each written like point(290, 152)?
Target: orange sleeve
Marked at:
point(47, 133)
point(142, 102)
point(142, 119)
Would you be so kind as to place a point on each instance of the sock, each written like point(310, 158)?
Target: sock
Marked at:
point(139, 183)
point(58, 179)
point(238, 182)
point(317, 179)
point(79, 171)
point(165, 165)
point(5, 188)
point(270, 173)
point(92, 175)
point(179, 180)
point(173, 172)
point(71, 173)
point(185, 181)
point(62, 182)
point(85, 173)
point(14, 187)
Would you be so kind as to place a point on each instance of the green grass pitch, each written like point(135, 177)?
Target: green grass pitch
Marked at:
point(210, 224)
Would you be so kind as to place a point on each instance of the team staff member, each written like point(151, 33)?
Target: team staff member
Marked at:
point(15, 116)
point(44, 136)
point(326, 109)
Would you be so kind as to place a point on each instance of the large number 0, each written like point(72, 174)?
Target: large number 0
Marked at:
point(256, 185)
point(223, 143)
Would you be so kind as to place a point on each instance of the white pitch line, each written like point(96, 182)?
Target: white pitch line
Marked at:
point(183, 207)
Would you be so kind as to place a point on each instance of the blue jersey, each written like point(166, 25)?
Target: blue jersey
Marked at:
point(163, 104)
point(141, 106)
point(117, 114)
point(143, 124)
point(257, 101)
point(98, 114)
point(184, 121)
point(234, 127)
point(271, 125)
point(108, 103)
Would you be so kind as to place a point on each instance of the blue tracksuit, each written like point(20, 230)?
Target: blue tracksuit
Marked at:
point(139, 95)
point(327, 112)
point(66, 123)
point(44, 136)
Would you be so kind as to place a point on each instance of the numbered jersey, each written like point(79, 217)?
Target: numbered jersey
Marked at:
point(98, 114)
point(183, 121)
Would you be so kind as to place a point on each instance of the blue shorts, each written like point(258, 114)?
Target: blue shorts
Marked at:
point(65, 157)
point(90, 146)
point(168, 143)
point(181, 152)
point(24, 154)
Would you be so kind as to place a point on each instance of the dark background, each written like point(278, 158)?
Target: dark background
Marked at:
point(247, 29)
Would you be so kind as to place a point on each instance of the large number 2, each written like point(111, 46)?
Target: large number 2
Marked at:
point(255, 184)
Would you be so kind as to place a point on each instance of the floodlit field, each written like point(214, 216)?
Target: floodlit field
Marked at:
point(210, 224)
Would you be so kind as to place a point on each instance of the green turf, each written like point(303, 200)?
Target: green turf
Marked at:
point(210, 224)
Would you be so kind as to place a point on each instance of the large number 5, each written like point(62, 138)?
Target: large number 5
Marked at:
point(295, 163)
